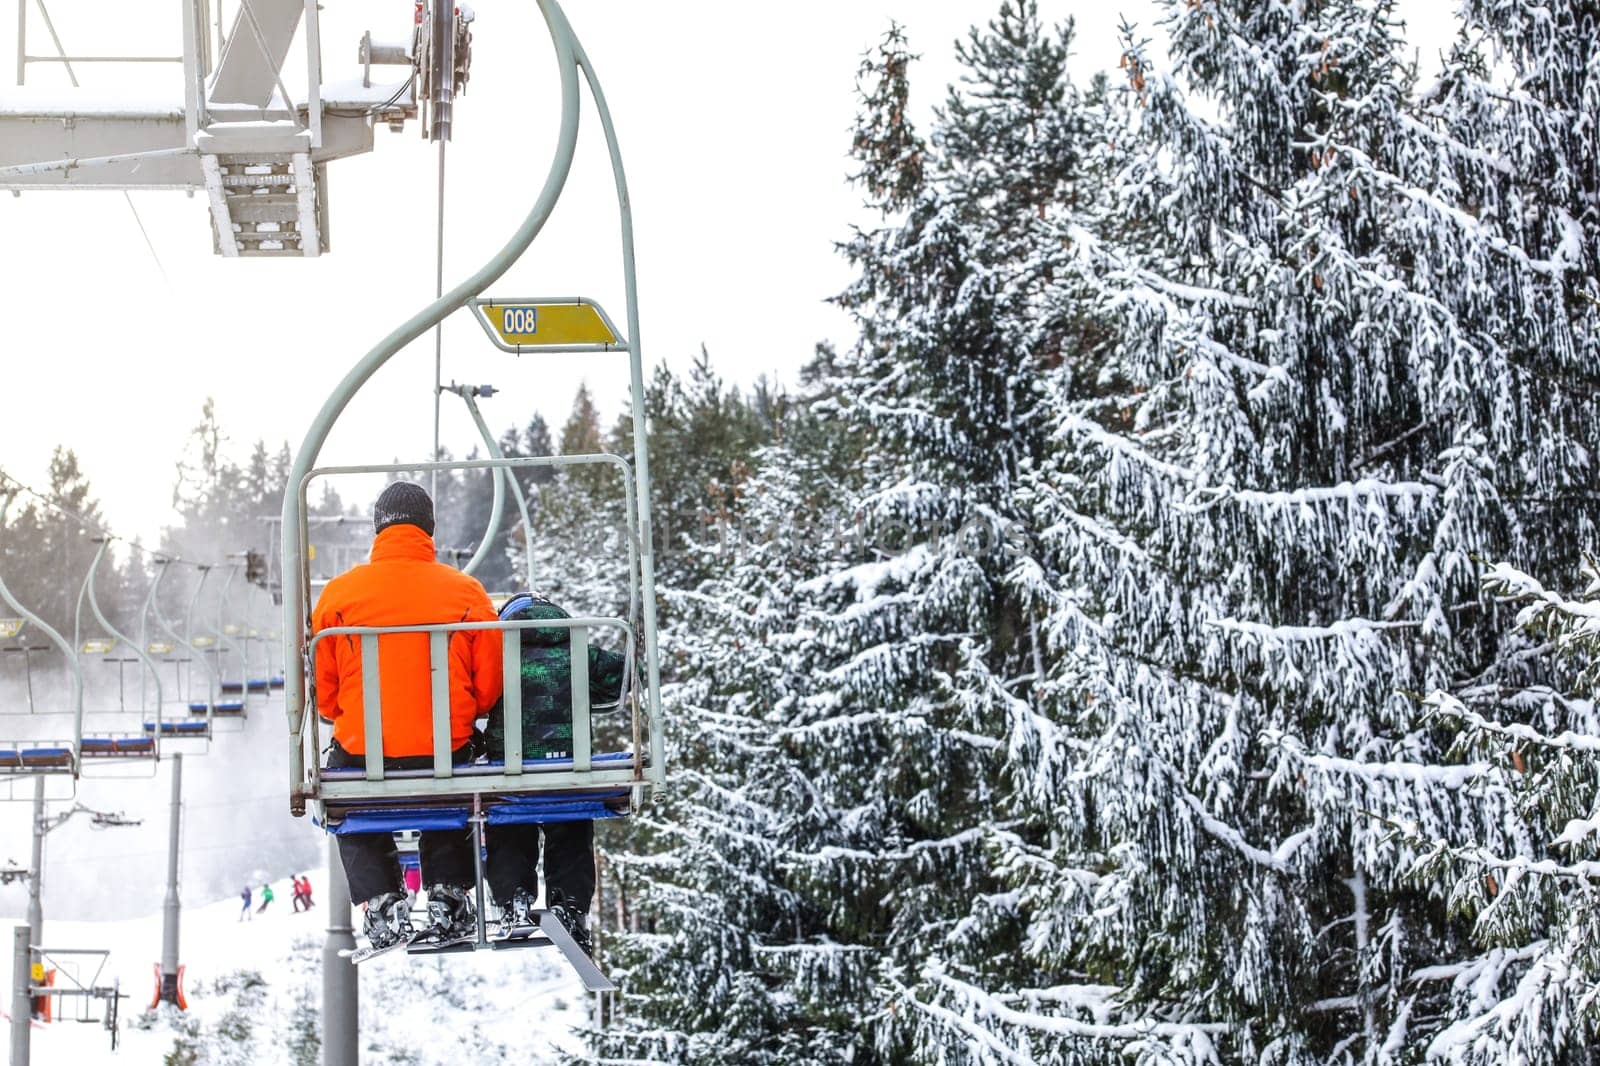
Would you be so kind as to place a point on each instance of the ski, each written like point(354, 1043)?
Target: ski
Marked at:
point(427, 944)
point(514, 934)
point(588, 972)
point(359, 955)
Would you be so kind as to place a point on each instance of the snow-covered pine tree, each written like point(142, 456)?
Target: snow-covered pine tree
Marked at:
point(1513, 128)
point(854, 690)
point(1529, 995)
point(1275, 472)
point(727, 961)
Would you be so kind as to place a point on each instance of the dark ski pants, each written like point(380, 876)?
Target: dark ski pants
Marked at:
point(371, 864)
point(568, 862)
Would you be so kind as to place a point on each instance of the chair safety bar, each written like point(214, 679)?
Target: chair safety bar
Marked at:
point(448, 779)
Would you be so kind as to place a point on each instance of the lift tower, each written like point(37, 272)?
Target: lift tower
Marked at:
point(233, 130)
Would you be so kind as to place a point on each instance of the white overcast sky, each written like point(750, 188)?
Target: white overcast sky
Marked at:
point(733, 117)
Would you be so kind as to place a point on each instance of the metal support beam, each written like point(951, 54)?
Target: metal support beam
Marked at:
point(257, 46)
point(170, 906)
point(341, 985)
point(194, 100)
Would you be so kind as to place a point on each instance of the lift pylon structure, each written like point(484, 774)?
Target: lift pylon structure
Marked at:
point(236, 132)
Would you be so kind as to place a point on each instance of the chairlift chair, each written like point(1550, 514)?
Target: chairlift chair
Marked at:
point(49, 749)
point(589, 784)
point(118, 750)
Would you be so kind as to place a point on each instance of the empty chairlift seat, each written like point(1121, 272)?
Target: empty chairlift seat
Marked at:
point(33, 757)
point(255, 684)
point(179, 728)
point(117, 746)
point(225, 708)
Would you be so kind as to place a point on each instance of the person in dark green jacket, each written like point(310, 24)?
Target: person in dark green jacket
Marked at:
point(547, 733)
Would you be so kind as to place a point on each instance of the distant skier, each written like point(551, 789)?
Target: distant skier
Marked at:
point(405, 584)
point(244, 911)
point(547, 733)
point(266, 898)
point(298, 900)
point(305, 892)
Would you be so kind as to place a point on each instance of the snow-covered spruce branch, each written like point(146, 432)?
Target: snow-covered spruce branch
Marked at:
point(1276, 860)
point(1584, 872)
point(1447, 706)
point(1469, 226)
point(1203, 499)
point(911, 851)
point(1513, 584)
point(1422, 774)
point(986, 1005)
point(813, 729)
point(1343, 629)
point(1471, 971)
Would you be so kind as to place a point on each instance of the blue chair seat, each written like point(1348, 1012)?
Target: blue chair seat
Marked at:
point(180, 728)
point(233, 707)
point(508, 810)
point(102, 746)
point(256, 684)
point(39, 757)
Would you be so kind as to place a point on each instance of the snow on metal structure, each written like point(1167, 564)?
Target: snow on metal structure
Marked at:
point(237, 133)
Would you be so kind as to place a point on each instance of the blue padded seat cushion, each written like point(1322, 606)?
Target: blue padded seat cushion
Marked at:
point(129, 744)
point(12, 755)
point(519, 810)
point(223, 707)
point(177, 727)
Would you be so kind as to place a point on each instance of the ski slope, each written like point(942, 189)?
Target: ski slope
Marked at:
point(254, 990)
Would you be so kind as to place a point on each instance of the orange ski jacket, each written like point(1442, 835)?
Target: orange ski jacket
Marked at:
point(404, 585)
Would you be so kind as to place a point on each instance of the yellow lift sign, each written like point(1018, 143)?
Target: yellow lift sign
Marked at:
point(571, 324)
point(10, 627)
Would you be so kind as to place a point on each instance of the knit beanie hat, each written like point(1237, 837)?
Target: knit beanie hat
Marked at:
point(403, 501)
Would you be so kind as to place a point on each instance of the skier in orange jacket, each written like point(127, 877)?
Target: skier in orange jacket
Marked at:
point(403, 584)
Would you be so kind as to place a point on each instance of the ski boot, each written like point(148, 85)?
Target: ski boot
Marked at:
point(388, 923)
point(575, 922)
point(517, 917)
point(452, 918)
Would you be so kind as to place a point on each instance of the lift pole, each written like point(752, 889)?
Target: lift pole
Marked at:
point(341, 979)
point(170, 906)
point(35, 868)
point(21, 1002)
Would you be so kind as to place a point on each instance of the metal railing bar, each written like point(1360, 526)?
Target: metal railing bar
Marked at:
point(578, 673)
point(372, 706)
point(439, 664)
point(511, 659)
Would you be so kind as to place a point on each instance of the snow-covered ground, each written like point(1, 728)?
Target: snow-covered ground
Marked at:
point(254, 990)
